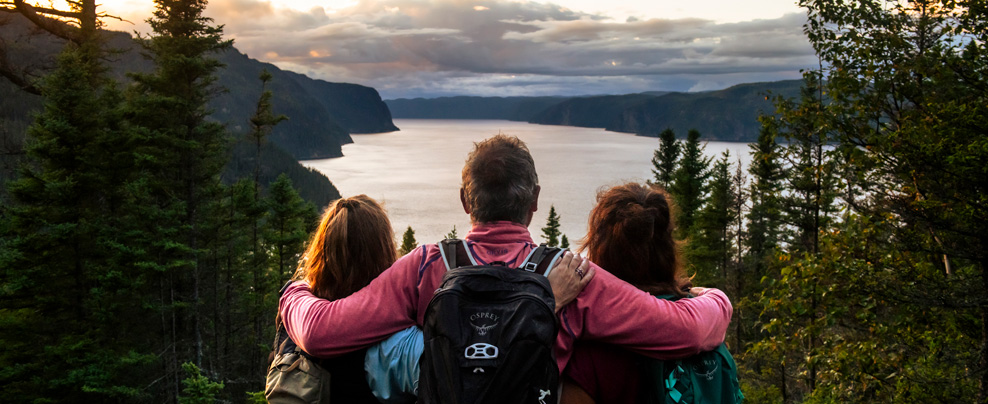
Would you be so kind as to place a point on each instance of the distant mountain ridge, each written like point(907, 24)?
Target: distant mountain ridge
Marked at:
point(322, 115)
point(729, 114)
point(467, 107)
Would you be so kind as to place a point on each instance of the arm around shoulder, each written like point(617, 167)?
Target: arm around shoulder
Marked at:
point(325, 328)
point(612, 311)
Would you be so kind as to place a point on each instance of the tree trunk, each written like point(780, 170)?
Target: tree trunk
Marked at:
point(983, 353)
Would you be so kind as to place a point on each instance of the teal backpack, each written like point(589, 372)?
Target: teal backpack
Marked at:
point(709, 377)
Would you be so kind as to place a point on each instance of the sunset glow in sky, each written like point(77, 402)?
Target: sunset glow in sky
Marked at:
point(412, 48)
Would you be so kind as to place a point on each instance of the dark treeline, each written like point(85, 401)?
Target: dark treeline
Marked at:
point(854, 245)
point(134, 266)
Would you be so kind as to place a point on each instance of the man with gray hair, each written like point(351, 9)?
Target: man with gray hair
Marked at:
point(500, 193)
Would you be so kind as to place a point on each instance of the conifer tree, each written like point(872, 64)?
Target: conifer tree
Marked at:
point(713, 245)
point(65, 295)
point(452, 233)
point(689, 183)
point(564, 242)
point(664, 159)
point(289, 222)
point(765, 216)
point(551, 230)
point(810, 168)
point(169, 107)
point(408, 242)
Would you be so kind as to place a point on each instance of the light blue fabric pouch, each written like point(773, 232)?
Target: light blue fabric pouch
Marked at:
point(392, 367)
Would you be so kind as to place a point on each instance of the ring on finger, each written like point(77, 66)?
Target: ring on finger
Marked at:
point(579, 272)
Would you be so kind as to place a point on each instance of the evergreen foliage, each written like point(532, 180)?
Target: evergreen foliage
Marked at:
point(664, 159)
point(408, 242)
point(564, 242)
point(551, 233)
point(452, 233)
point(859, 305)
point(290, 221)
point(198, 388)
point(689, 183)
point(713, 250)
point(64, 295)
point(765, 216)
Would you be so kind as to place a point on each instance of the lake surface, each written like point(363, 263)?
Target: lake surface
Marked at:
point(415, 172)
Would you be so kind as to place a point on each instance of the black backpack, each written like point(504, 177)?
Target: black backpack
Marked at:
point(490, 331)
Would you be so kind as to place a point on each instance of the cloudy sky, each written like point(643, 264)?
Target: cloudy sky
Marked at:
point(429, 48)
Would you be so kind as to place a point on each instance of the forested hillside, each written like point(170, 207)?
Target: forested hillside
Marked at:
point(463, 107)
point(729, 115)
point(854, 246)
point(143, 237)
point(322, 114)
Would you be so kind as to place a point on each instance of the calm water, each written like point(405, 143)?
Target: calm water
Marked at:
point(416, 172)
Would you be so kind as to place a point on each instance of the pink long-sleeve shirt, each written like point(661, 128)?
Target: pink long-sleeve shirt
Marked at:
point(608, 310)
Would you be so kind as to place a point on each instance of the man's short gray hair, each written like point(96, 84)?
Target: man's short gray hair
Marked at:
point(499, 180)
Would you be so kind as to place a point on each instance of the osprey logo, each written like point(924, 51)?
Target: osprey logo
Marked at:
point(483, 322)
point(707, 368)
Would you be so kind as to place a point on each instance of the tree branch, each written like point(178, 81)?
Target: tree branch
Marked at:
point(53, 26)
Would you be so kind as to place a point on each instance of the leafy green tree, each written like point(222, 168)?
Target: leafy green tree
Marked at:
point(664, 159)
point(862, 310)
point(689, 183)
point(551, 231)
point(408, 242)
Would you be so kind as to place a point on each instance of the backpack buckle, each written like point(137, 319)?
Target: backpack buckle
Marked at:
point(481, 350)
point(531, 266)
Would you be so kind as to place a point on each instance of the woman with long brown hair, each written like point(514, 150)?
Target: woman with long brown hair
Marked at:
point(353, 244)
point(631, 233)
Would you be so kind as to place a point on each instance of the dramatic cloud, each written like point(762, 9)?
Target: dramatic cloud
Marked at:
point(408, 48)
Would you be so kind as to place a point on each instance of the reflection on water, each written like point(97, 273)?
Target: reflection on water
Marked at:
point(416, 172)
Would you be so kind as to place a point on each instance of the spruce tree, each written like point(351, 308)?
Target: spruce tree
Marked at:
point(551, 230)
point(664, 159)
point(689, 183)
point(289, 222)
point(186, 153)
point(67, 294)
point(713, 245)
point(452, 233)
point(564, 242)
point(408, 242)
point(810, 167)
point(765, 216)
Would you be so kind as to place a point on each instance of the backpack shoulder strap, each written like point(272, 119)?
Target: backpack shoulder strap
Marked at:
point(542, 258)
point(455, 253)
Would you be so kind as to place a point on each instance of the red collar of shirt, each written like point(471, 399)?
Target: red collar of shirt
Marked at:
point(499, 232)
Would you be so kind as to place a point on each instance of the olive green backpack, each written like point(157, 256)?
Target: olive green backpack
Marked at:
point(294, 377)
